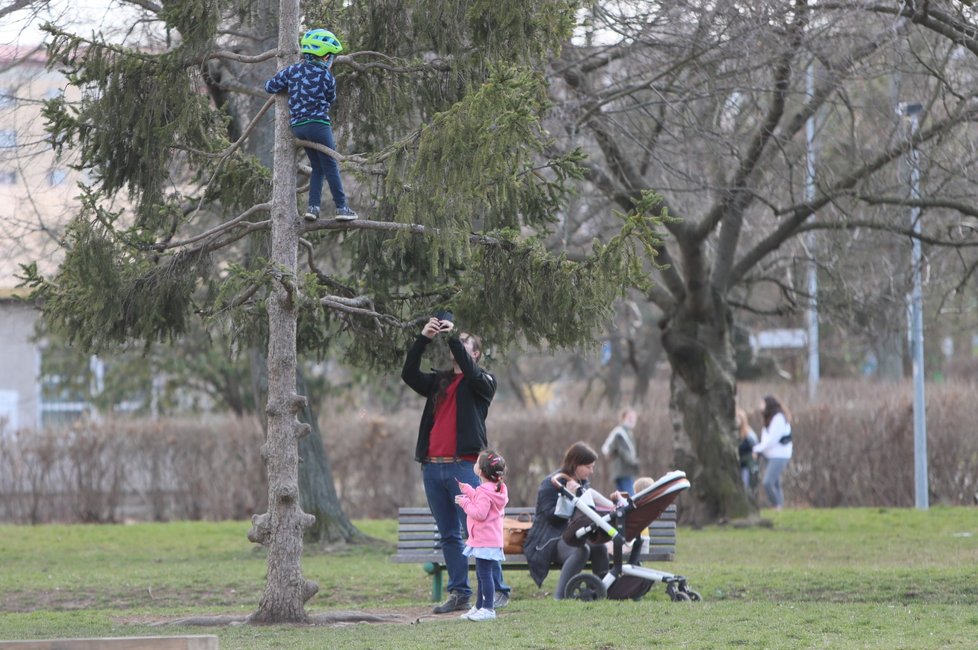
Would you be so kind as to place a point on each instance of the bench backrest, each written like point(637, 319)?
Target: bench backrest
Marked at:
point(417, 536)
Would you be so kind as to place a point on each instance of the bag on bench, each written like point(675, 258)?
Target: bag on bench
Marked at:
point(514, 533)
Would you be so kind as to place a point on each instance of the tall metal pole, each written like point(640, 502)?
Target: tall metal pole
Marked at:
point(917, 323)
point(812, 314)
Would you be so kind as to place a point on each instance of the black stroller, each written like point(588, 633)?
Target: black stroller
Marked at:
point(626, 523)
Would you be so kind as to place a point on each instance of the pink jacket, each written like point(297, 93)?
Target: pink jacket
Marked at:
point(483, 508)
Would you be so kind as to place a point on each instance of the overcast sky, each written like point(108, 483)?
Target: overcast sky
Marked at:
point(23, 27)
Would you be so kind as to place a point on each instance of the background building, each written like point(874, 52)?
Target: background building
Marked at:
point(37, 194)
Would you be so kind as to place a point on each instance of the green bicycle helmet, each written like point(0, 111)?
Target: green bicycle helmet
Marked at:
point(320, 42)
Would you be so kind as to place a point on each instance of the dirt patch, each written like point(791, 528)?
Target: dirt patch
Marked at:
point(400, 616)
point(59, 599)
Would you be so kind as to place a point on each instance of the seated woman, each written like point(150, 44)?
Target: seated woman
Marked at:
point(543, 545)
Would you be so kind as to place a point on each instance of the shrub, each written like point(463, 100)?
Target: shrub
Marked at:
point(853, 447)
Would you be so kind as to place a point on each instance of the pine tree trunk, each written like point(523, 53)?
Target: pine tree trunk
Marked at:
point(280, 529)
point(702, 400)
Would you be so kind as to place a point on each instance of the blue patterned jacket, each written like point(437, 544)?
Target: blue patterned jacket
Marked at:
point(311, 87)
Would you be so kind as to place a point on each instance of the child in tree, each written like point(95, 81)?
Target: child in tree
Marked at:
point(484, 508)
point(312, 89)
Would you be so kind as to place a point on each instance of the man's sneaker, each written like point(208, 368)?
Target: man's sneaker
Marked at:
point(312, 213)
point(483, 615)
point(469, 613)
point(501, 599)
point(345, 214)
point(455, 602)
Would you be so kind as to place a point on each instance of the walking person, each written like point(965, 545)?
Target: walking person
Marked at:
point(451, 435)
point(776, 447)
point(619, 446)
point(484, 507)
point(312, 90)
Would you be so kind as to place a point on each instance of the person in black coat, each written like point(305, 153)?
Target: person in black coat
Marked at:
point(451, 435)
point(544, 546)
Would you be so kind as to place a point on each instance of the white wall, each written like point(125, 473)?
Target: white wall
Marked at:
point(19, 367)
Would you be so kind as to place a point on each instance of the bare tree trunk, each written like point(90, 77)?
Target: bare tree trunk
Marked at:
point(890, 348)
point(316, 489)
point(702, 400)
point(280, 529)
point(647, 360)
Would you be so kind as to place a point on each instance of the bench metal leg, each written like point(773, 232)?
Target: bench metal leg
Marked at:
point(435, 571)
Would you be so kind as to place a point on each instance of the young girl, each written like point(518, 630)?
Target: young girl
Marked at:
point(484, 507)
point(745, 449)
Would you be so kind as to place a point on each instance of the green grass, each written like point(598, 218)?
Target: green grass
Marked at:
point(857, 578)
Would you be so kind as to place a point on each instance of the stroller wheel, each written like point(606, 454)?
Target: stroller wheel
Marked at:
point(681, 597)
point(586, 587)
point(694, 595)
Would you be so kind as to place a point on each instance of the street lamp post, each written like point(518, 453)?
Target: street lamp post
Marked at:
point(812, 312)
point(912, 112)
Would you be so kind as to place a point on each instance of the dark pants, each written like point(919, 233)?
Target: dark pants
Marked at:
point(572, 560)
point(323, 166)
point(485, 571)
point(440, 488)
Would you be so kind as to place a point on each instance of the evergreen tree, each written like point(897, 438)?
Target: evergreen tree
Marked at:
point(446, 99)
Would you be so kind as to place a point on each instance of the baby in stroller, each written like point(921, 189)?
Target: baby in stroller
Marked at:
point(624, 527)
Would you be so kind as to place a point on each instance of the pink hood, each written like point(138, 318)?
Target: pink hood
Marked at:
point(484, 508)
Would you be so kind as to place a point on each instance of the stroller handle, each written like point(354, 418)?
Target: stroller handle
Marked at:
point(556, 482)
point(562, 487)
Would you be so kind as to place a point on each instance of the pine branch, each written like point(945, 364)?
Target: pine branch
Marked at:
point(213, 232)
point(227, 55)
point(335, 155)
point(356, 306)
point(391, 64)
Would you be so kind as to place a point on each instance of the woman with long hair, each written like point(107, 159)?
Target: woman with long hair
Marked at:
point(776, 447)
point(747, 439)
point(544, 544)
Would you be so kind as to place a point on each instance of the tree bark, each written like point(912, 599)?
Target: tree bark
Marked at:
point(317, 492)
point(280, 529)
point(702, 400)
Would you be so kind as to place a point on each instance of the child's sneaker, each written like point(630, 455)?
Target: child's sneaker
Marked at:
point(345, 214)
point(312, 213)
point(483, 615)
point(469, 613)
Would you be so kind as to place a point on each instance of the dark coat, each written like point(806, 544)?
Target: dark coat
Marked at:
point(472, 398)
point(546, 530)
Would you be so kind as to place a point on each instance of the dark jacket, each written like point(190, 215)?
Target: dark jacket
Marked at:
point(472, 398)
point(546, 530)
point(311, 87)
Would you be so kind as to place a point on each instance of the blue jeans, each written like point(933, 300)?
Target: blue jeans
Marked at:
point(440, 488)
point(772, 480)
point(625, 484)
point(323, 166)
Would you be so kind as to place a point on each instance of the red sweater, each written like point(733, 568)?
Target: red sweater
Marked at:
point(443, 434)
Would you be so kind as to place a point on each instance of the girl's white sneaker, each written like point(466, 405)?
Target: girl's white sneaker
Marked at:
point(483, 615)
point(469, 613)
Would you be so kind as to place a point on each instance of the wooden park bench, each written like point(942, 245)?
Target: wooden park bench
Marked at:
point(417, 542)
